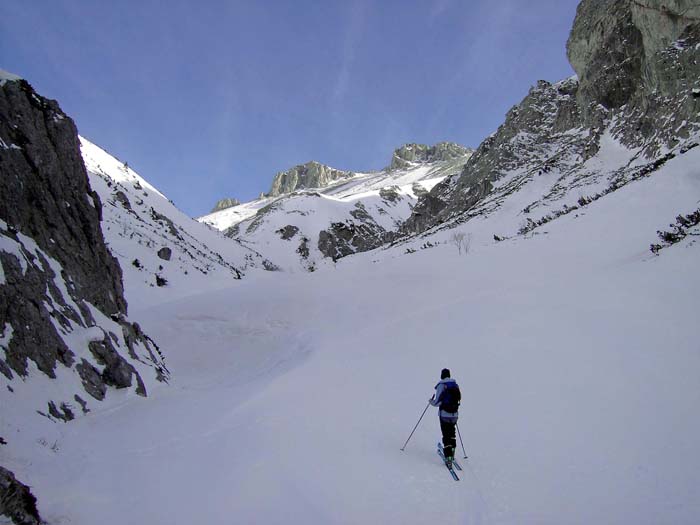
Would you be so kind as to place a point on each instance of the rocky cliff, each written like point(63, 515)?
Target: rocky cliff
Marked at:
point(637, 86)
point(58, 275)
point(224, 204)
point(310, 175)
point(62, 309)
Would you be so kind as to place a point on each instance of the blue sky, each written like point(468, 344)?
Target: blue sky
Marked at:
point(211, 99)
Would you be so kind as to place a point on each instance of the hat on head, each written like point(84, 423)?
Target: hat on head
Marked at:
point(445, 373)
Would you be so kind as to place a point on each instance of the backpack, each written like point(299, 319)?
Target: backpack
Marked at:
point(450, 398)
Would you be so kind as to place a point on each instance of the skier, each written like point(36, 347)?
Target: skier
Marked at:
point(447, 397)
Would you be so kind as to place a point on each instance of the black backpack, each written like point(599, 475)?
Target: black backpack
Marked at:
point(450, 398)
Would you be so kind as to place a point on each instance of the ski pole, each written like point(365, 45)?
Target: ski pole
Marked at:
point(462, 442)
point(414, 428)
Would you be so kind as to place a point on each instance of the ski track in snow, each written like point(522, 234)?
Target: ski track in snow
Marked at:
point(291, 394)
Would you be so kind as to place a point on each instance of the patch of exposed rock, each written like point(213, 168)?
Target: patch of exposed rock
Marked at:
point(16, 500)
point(287, 232)
point(410, 154)
point(310, 175)
point(224, 204)
point(359, 234)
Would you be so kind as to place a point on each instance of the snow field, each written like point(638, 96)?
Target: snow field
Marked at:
point(575, 348)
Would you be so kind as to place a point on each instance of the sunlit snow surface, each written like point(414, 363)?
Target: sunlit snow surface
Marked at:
point(575, 348)
point(201, 257)
point(362, 185)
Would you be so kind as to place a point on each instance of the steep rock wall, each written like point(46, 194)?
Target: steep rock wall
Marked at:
point(309, 175)
point(61, 294)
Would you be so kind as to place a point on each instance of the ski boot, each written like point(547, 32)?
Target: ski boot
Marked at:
point(449, 456)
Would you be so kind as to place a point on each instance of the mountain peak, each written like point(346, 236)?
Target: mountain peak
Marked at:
point(312, 174)
point(222, 204)
point(6, 76)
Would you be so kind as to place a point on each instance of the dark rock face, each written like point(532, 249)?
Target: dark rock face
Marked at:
point(390, 194)
point(16, 500)
point(46, 196)
point(58, 273)
point(418, 189)
point(165, 253)
point(61, 294)
point(287, 232)
point(638, 58)
point(360, 234)
point(605, 49)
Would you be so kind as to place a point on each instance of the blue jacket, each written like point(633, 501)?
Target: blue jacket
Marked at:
point(436, 401)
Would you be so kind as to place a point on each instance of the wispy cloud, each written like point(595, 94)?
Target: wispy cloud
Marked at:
point(353, 34)
point(439, 8)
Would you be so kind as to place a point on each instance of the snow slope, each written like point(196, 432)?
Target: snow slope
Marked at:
point(425, 174)
point(311, 213)
point(576, 350)
point(139, 221)
point(371, 204)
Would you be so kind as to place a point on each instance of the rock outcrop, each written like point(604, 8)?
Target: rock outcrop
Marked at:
point(638, 83)
point(16, 500)
point(637, 59)
point(58, 275)
point(359, 233)
point(409, 154)
point(310, 175)
point(62, 307)
point(224, 204)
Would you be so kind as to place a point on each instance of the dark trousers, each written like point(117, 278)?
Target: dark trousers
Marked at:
point(449, 441)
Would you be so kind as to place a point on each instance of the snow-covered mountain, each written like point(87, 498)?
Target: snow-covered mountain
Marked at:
point(164, 254)
point(348, 214)
point(291, 395)
point(633, 106)
point(567, 311)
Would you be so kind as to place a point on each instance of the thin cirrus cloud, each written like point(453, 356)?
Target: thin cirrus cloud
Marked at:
point(439, 8)
point(353, 33)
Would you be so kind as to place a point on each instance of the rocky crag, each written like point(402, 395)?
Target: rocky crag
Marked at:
point(62, 307)
point(223, 204)
point(409, 155)
point(310, 175)
point(637, 87)
point(16, 500)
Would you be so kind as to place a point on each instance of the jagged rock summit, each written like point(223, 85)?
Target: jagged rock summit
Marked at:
point(223, 204)
point(310, 175)
point(314, 175)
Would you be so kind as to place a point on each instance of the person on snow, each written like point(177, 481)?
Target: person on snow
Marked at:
point(447, 397)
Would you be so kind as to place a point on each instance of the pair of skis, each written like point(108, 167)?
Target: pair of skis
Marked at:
point(451, 468)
